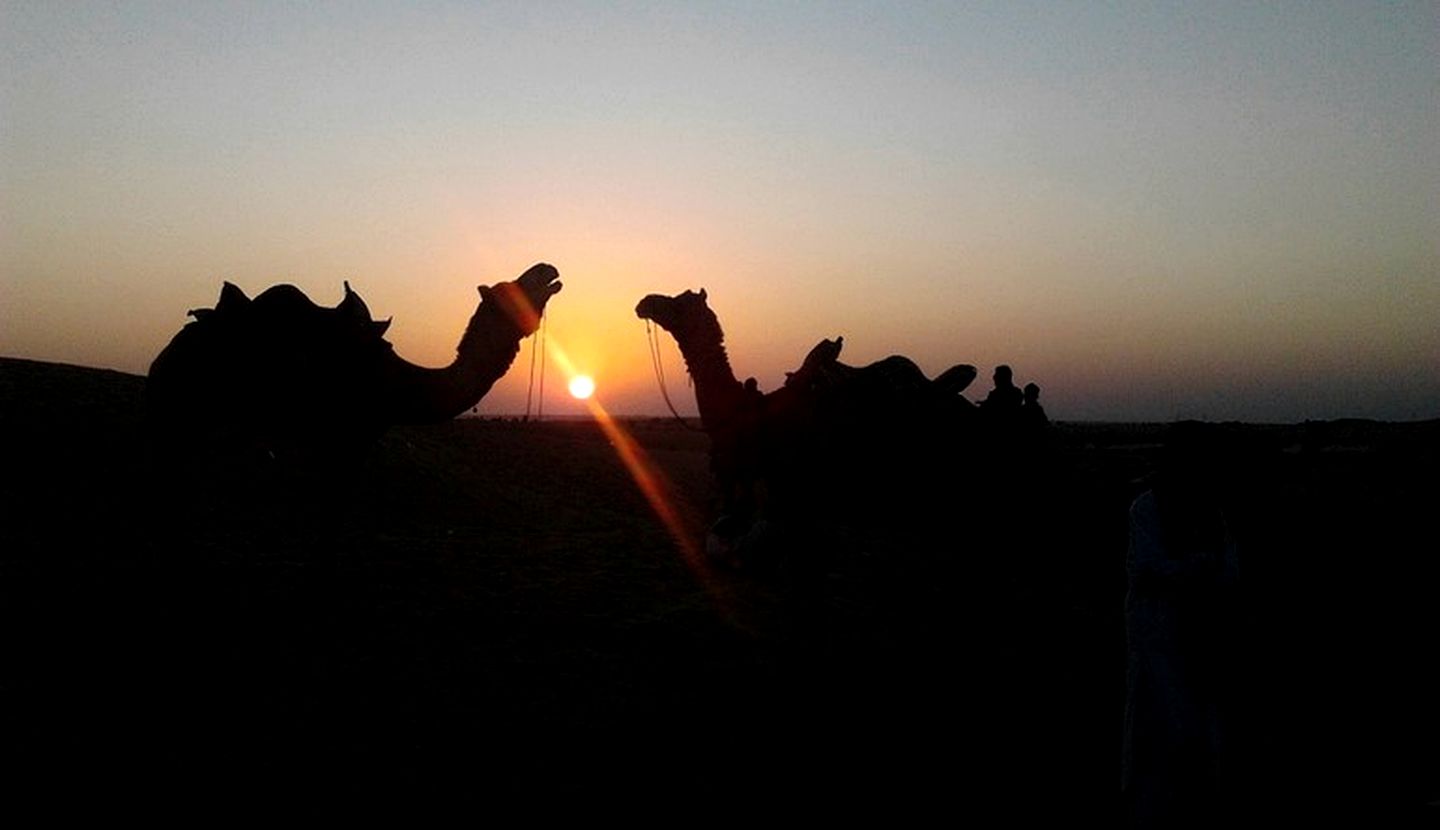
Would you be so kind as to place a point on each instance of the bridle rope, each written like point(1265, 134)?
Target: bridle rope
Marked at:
point(654, 342)
point(537, 345)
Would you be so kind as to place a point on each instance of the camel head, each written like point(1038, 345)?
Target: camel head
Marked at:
point(523, 299)
point(678, 315)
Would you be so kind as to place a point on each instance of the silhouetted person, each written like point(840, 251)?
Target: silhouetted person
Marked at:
point(1003, 402)
point(1032, 414)
point(1182, 571)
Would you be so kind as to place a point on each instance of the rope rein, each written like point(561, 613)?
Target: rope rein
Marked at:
point(654, 342)
point(536, 345)
point(540, 344)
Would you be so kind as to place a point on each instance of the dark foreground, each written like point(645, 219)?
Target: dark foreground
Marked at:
point(482, 617)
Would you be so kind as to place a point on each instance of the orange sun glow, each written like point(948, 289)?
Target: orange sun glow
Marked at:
point(582, 386)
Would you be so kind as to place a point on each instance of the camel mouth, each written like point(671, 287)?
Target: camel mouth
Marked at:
point(542, 279)
point(648, 307)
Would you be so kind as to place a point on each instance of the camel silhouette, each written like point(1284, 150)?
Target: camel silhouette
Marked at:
point(893, 387)
point(832, 430)
point(286, 374)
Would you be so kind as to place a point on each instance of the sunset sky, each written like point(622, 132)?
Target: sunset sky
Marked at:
point(1153, 210)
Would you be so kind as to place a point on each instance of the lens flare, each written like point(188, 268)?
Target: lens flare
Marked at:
point(678, 518)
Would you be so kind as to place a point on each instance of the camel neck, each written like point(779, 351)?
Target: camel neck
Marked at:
point(717, 392)
point(423, 395)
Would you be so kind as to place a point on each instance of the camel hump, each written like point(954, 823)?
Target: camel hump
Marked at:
point(281, 298)
point(897, 364)
point(896, 375)
point(283, 314)
point(287, 303)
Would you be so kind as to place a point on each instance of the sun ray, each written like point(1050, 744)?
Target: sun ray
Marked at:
point(652, 481)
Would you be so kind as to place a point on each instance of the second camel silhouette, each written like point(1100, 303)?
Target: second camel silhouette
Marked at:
point(833, 437)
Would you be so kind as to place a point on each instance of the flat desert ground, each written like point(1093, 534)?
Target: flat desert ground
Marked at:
point(488, 615)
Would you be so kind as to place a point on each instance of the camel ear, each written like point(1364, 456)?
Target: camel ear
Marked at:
point(486, 292)
point(382, 326)
point(703, 295)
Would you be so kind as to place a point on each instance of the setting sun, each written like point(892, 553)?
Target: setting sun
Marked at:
point(582, 386)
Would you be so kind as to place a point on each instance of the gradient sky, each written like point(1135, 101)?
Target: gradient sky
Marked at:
point(1153, 210)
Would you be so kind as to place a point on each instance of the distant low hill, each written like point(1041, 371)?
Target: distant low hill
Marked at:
point(34, 389)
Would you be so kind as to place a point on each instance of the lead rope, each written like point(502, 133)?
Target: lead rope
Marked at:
point(540, 403)
point(536, 345)
point(654, 341)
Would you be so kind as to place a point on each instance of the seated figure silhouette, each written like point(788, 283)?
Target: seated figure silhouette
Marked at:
point(1032, 414)
point(1002, 405)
